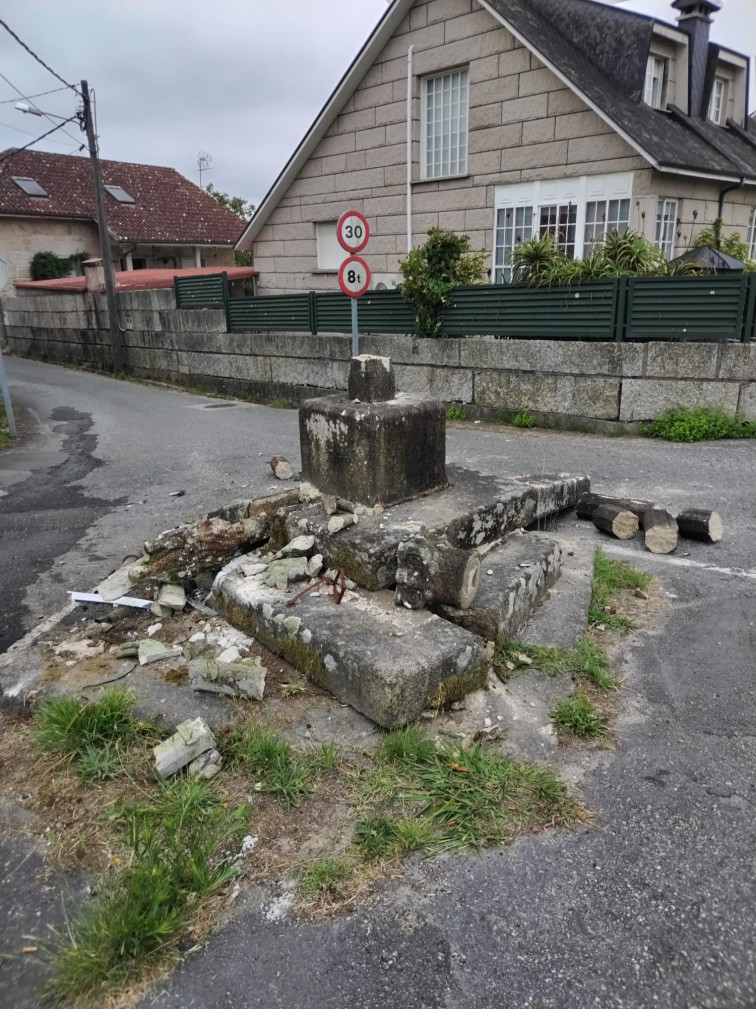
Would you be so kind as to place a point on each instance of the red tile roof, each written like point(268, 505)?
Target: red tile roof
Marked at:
point(138, 280)
point(167, 208)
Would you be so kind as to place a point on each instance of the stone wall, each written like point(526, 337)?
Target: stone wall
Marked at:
point(567, 383)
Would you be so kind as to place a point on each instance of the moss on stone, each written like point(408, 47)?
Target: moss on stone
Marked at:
point(457, 686)
point(347, 560)
point(279, 536)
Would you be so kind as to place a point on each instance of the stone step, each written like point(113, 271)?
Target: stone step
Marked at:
point(514, 579)
point(477, 508)
point(387, 662)
point(562, 616)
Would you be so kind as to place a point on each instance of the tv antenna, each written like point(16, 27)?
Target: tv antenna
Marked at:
point(204, 160)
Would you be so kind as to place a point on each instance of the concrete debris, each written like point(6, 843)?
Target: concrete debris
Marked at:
point(116, 585)
point(234, 679)
point(282, 468)
point(339, 522)
point(86, 649)
point(127, 651)
point(300, 546)
point(280, 573)
point(308, 493)
point(191, 739)
point(231, 654)
point(206, 766)
point(160, 611)
point(154, 651)
point(153, 629)
point(172, 596)
point(315, 566)
point(252, 569)
point(196, 645)
point(330, 504)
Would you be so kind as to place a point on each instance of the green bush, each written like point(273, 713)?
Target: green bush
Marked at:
point(48, 266)
point(432, 271)
point(523, 419)
point(702, 423)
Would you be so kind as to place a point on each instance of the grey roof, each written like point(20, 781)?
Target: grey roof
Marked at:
point(603, 51)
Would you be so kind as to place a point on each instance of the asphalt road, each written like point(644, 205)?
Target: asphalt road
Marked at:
point(653, 906)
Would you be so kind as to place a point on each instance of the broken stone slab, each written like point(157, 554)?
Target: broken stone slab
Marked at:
point(477, 509)
point(371, 379)
point(154, 651)
point(234, 679)
point(172, 597)
point(387, 662)
point(79, 649)
point(515, 578)
point(562, 617)
point(254, 568)
point(196, 645)
point(116, 585)
point(308, 493)
point(314, 566)
point(300, 546)
point(290, 569)
point(339, 522)
point(206, 766)
point(282, 468)
point(190, 739)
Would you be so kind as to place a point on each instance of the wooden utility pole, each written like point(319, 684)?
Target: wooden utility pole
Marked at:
point(116, 341)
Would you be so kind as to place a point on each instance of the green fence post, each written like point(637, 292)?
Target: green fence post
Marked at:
point(621, 309)
point(312, 309)
point(749, 315)
point(226, 299)
point(176, 292)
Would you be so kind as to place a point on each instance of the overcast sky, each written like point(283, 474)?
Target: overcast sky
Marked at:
point(241, 80)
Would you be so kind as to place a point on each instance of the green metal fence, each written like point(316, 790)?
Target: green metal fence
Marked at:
point(712, 308)
point(209, 291)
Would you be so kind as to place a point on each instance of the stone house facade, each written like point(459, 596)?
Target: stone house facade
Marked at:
point(524, 116)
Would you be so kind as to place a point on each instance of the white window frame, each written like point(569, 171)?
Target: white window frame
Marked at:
point(330, 253)
point(752, 235)
point(441, 124)
point(666, 225)
point(569, 195)
point(717, 100)
point(655, 87)
point(614, 215)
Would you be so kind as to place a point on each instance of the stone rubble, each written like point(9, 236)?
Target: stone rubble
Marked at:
point(282, 468)
point(245, 678)
point(191, 739)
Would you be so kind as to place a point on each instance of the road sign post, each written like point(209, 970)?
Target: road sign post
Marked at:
point(7, 398)
point(353, 233)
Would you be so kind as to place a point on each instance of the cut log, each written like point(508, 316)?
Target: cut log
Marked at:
point(699, 524)
point(659, 531)
point(432, 571)
point(179, 555)
point(589, 502)
point(618, 521)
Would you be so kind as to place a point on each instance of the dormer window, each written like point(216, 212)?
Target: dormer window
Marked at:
point(29, 186)
point(119, 193)
point(656, 76)
point(716, 102)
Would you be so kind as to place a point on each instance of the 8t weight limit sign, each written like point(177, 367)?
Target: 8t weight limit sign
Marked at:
point(354, 276)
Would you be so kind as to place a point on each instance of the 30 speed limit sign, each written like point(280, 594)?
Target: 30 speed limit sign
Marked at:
point(352, 231)
point(354, 276)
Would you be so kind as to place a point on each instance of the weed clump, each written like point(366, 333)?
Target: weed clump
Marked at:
point(523, 419)
point(577, 716)
point(610, 577)
point(701, 423)
point(589, 661)
point(456, 412)
point(326, 876)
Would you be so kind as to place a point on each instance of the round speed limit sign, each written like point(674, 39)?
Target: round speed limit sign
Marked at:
point(352, 231)
point(354, 276)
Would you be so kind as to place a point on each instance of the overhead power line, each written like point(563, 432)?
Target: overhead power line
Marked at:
point(39, 94)
point(9, 126)
point(18, 150)
point(28, 98)
point(37, 58)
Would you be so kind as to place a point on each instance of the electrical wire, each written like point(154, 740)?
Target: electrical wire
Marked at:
point(37, 58)
point(18, 150)
point(28, 133)
point(39, 94)
point(34, 105)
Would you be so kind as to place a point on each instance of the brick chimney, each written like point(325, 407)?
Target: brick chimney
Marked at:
point(695, 20)
point(94, 274)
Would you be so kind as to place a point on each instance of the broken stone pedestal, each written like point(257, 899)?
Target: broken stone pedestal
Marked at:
point(371, 449)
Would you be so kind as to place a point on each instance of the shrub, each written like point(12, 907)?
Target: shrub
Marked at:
point(432, 271)
point(47, 266)
point(702, 423)
point(523, 419)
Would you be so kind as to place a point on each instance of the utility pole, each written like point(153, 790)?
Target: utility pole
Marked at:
point(116, 343)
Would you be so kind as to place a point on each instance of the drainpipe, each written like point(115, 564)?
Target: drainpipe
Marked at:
point(725, 191)
point(410, 61)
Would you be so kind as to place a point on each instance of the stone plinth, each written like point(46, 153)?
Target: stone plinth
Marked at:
point(373, 453)
point(371, 379)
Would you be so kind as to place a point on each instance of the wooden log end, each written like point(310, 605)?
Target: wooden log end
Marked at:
point(617, 521)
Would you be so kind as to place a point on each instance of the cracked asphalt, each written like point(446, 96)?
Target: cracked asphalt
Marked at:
point(652, 905)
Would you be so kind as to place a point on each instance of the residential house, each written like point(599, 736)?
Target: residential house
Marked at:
point(156, 217)
point(524, 116)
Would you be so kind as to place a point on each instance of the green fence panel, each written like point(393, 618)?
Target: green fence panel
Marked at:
point(207, 291)
point(571, 312)
point(378, 312)
point(279, 313)
point(749, 319)
point(687, 308)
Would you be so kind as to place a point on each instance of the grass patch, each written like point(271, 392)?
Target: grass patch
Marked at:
point(523, 419)
point(274, 765)
point(577, 716)
point(588, 661)
point(280, 404)
point(702, 423)
point(294, 687)
point(181, 843)
point(92, 735)
point(5, 437)
point(610, 577)
point(326, 876)
point(456, 412)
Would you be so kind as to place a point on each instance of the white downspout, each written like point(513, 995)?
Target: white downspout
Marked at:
point(410, 78)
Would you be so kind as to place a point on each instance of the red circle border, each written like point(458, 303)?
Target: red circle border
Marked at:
point(349, 262)
point(349, 248)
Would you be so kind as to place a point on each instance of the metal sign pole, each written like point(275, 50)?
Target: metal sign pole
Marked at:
point(355, 330)
point(6, 398)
